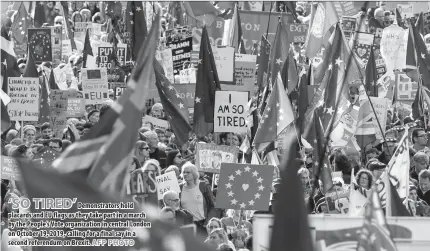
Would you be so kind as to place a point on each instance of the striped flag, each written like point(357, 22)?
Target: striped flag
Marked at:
point(104, 154)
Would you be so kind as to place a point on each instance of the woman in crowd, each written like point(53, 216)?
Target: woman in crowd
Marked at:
point(29, 135)
point(22, 151)
point(217, 237)
point(141, 151)
point(365, 178)
point(196, 196)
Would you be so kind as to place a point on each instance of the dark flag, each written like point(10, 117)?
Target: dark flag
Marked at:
point(417, 105)
point(52, 84)
point(240, 45)
point(175, 108)
point(39, 14)
point(290, 76)
point(46, 156)
point(8, 55)
point(5, 99)
point(263, 63)
point(87, 49)
point(398, 209)
point(303, 99)
point(207, 85)
point(44, 111)
point(136, 25)
point(291, 228)
point(278, 53)
point(30, 68)
point(69, 31)
point(203, 11)
point(420, 24)
point(103, 155)
point(21, 23)
point(371, 76)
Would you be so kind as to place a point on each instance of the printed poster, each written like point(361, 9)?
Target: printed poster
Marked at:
point(224, 61)
point(245, 67)
point(10, 169)
point(57, 47)
point(349, 25)
point(105, 52)
point(406, 87)
point(181, 53)
point(94, 85)
point(75, 105)
point(230, 111)
point(118, 88)
point(406, 10)
point(363, 46)
point(141, 183)
point(210, 156)
point(40, 44)
point(297, 32)
point(155, 122)
point(24, 94)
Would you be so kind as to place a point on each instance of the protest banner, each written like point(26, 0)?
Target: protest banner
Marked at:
point(181, 53)
point(210, 156)
point(245, 67)
point(406, 88)
point(80, 30)
point(348, 25)
point(167, 182)
point(24, 94)
point(75, 105)
point(9, 168)
point(155, 122)
point(56, 43)
point(94, 85)
point(224, 61)
point(104, 52)
point(188, 76)
point(393, 47)
point(187, 93)
point(297, 32)
point(40, 44)
point(363, 45)
point(244, 186)
point(230, 111)
point(165, 58)
point(141, 183)
point(118, 88)
point(406, 10)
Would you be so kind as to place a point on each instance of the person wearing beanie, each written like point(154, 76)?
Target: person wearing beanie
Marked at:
point(29, 134)
point(377, 168)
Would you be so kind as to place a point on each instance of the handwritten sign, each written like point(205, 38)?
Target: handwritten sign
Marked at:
point(181, 53)
point(58, 100)
point(142, 183)
point(230, 111)
point(393, 47)
point(75, 105)
point(406, 10)
point(9, 168)
point(167, 182)
point(210, 156)
point(56, 43)
point(245, 67)
point(188, 76)
point(105, 52)
point(24, 94)
point(66, 49)
point(94, 85)
point(58, 119)
point(297, 32)
point(81, 29)
point(224, 61)
point(156, 123)
point(165, 58)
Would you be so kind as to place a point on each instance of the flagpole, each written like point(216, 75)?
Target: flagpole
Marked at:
point(331, 123)
point(268, 22)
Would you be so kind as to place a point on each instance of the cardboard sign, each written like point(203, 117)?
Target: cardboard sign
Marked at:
point(167, 182)
point(406, 10)
point(297, 32)
point(94, 85)
point(24, 94)
point(165, 58)
point(104, 53)
point(188, 76)
point(141, 183)
point(210, 156)
point(39, 44)
point(81, 29)
point(187, 93)
point(181, 53)
point(10, 169)
point(224, 61)
point(56, 43)
point(156, 123)
point(75, 105)
point(230, 111)
point(393, 47)
point(245, 67)
point(244, 186)
point(406, 88)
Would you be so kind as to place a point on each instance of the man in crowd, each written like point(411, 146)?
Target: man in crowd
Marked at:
point(419, 139)
point(421, 162)
point(46, 131)
point(154, 150)
point(171, 199)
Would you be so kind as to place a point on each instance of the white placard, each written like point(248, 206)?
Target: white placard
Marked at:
point(230, 111)
point(187, 76)
point(224, 60)
point(167, 182)
point(95, 85)
point(81, 29)
point(156, 123)
point(24, 103)
point(394, 43)
point(165, 58)
point(96, 29)
point(406, 10)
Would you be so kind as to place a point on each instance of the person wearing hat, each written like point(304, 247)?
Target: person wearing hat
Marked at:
point(29, 134)
point(420, 140)
point(94, 116)
point(377, 168)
